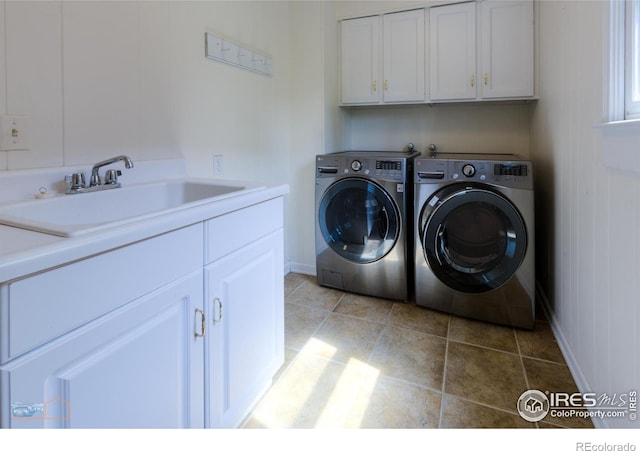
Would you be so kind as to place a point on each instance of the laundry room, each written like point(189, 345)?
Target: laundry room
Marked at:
point(291, 191)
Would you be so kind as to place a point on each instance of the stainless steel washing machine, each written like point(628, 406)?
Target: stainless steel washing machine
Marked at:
point(364, 217)
point(474, 237)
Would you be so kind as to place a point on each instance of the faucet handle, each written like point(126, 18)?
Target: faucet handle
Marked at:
point(76, 180)
point(111, 176)
point(95, 179)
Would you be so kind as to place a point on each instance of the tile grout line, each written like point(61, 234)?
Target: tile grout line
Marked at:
point(444, 373)
point(488, 348)
point(524, 370)
point(294, 290)
point(488, 406)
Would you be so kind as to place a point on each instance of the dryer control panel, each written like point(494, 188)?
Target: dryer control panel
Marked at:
point(514, 174)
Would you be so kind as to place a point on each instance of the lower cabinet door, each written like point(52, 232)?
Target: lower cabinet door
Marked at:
point(140, 366)
point(245, 306)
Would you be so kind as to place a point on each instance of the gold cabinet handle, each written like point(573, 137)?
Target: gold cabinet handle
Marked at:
point(386, 85)
point(219, 302)
point(203, 324)
point(473, 81)
point(375, 85)
point(486, 79)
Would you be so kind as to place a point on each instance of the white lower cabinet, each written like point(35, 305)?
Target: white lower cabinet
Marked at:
point(245, 341)
point(187, 332)
point(138, 367)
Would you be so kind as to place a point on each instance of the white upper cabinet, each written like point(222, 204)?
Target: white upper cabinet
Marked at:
point(502, 31)
point(393, 72)
point(477, 50)
point(403, 56)
point(452, 52)
point(507, 49)
point(360, 60)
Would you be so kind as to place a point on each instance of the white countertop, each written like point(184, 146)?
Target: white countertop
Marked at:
point(24, 252)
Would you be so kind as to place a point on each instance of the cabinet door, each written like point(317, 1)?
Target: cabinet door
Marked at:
point(403, 56)
point(360, 60)
point(245, 348)
point(452, 52)
point(140, 366)
point(507, 49)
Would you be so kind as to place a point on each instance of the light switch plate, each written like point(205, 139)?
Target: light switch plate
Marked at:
point(14, 132)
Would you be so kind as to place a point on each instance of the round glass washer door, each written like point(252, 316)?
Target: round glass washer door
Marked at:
point(359, 220)
point(474, 239)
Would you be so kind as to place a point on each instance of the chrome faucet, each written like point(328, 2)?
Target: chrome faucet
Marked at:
point(111, 175)
point(76, 182)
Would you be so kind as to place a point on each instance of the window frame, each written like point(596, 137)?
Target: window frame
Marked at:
point(618, 136)
point(631, 61)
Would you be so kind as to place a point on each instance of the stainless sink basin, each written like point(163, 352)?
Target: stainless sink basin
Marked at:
point(77, 214)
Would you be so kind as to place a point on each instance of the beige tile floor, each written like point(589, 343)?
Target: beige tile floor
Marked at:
point(360, 362)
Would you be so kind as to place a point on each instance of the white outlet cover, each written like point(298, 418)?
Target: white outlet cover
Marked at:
point(218, 165)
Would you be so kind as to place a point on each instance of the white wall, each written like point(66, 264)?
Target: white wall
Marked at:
point(102, 78)
point(315, 122)
point(472, 128)
point(588, 216)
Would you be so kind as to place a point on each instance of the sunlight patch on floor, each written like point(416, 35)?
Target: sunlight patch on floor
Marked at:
point(315, 392)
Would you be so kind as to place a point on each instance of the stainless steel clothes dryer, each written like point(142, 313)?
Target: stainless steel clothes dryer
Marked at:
point(364, 214)
point(474, 237)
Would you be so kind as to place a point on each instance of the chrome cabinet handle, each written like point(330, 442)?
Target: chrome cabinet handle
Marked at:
point(219, 302)
point(203, 324)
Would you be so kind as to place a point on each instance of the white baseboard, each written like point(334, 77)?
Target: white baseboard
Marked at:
point(572, 362)
point(300, 268)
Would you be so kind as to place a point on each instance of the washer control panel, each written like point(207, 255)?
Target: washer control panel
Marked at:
point(372, 166)
point(515, 174)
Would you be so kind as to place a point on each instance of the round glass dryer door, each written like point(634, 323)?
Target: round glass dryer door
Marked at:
point(474, 239)
point(358, 220)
